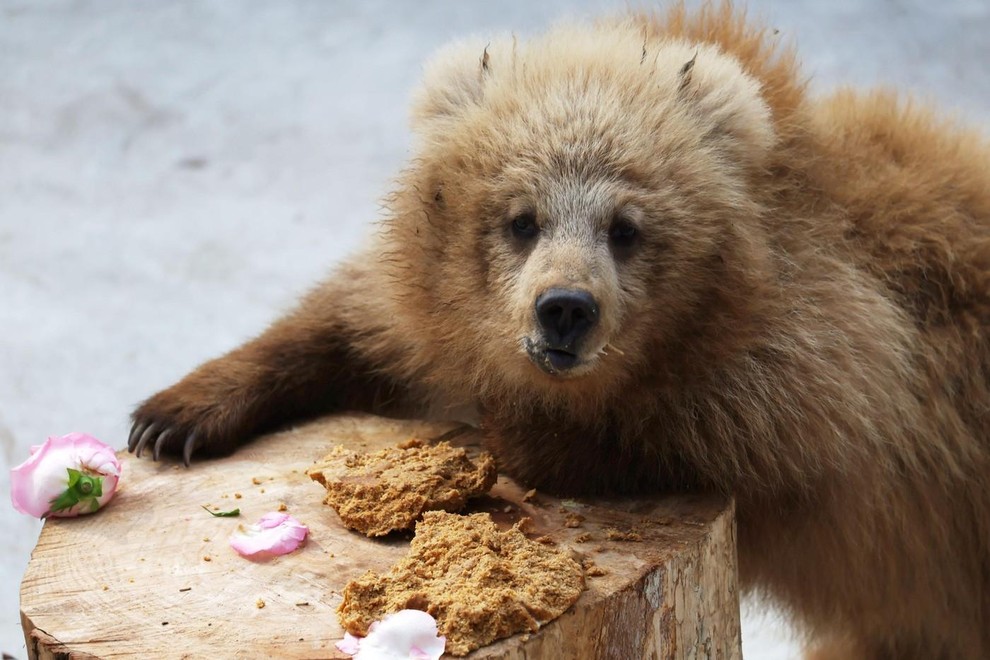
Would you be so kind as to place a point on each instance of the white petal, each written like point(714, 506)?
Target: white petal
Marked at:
point(405, 635)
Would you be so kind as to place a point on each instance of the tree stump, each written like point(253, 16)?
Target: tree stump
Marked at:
point(152, 574)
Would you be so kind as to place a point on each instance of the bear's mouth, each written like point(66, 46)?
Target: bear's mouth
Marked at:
point(553, 361)
point(559, 360)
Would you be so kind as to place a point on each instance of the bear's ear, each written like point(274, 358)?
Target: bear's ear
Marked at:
point(456, 76)
point(727, 102)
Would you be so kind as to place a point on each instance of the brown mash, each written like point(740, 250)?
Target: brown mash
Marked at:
point(379, 492)
point(479, 583)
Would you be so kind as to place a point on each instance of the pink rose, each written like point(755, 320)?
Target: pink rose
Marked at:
point(65, 477)
point(275, 534)
point(405, 635)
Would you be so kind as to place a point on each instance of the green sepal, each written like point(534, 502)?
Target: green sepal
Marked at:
point(81, 488)
point(66, 500)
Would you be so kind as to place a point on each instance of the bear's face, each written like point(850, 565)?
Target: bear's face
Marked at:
point(571, 203)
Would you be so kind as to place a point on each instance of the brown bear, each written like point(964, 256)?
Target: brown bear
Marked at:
point(650, 260)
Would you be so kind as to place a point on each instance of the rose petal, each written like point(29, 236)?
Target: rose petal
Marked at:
point(405, 635)
point(416, 653)
point(273, 519)
point(349, 645)
point(275, 534)
point(36, 481)
point(93, 454)
point(43, 477)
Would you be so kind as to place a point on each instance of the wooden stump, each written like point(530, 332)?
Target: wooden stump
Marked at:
point(152, 574)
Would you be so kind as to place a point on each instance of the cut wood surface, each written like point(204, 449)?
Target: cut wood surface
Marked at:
point(152, 574)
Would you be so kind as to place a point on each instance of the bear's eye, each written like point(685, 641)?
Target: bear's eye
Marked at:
point(524, 225)
point(623, 235)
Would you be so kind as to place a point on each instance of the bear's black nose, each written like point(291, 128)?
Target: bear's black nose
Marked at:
point(566, 316)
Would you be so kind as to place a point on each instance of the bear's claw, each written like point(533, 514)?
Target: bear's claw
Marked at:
point(142, 433)
point(156, 452)
point(142, 439)
point(188, 448)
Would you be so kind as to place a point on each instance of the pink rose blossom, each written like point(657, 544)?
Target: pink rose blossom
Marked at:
point(275, 534)
point(65, 477)
point(405, 635)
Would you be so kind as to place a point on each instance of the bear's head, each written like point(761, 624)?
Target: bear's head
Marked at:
point(575, 207)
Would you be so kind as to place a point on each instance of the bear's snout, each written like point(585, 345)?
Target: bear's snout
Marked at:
point(566, 316)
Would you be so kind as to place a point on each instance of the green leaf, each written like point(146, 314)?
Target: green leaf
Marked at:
point(233, 513)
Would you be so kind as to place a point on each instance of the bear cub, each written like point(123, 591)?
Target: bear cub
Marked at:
point(647, 259)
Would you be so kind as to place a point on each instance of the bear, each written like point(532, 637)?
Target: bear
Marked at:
point(644, 258)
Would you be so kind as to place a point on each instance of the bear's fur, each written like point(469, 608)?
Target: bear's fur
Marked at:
point(792, 303)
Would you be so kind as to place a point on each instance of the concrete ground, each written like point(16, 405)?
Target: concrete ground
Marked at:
point(173, 174)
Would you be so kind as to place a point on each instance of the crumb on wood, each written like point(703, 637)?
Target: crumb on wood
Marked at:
point(262, 490)
point(106, 588)
point(282, 506)
point(206, 539)
point(507, 509)
point(591, 569)
point(410, 443)
point(530, 494)
point(583, 538)
point(237, 496)
point(207, 558)
point(573, 520)
point(545, 540)
point(256, 481)
point(260, 604)
point(613, 534)
point(184, 589)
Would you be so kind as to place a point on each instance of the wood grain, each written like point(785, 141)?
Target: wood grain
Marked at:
point(152, 574)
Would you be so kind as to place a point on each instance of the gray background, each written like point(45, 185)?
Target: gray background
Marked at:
point(173, 174)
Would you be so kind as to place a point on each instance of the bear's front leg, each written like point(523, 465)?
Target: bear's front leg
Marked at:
point(330, 354)
point(552, 451)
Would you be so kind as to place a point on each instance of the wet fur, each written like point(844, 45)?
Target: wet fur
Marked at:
point(805, 324)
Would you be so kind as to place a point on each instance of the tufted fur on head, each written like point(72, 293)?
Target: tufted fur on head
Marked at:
point(564, 127)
